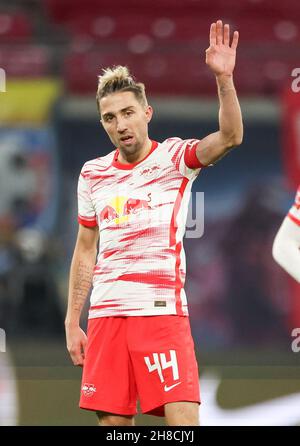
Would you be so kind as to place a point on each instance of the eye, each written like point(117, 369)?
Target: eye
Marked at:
point(129, 113)
point(108, 118)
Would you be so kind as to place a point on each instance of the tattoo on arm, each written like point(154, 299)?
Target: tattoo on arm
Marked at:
point(82, 284)
point(223, 90)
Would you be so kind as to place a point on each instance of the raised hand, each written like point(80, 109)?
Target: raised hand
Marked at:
point(220, 56)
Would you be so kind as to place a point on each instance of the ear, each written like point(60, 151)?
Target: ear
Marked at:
point(149, 113)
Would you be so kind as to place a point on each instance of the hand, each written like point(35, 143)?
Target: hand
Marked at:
point(76, 343)
point(220, 56)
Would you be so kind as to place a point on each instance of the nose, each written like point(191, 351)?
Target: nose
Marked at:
point(121, 125)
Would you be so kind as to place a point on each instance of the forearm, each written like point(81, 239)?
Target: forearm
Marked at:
point(214, 146)
point(286, 248)
point(81, 276)
point(230, 116)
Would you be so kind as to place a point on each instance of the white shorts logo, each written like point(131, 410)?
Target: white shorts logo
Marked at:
point(168, 388)
point(88, 389)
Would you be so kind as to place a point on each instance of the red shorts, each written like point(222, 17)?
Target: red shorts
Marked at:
point(147, 357)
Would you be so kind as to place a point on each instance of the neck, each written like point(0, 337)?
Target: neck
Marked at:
point(138, 155)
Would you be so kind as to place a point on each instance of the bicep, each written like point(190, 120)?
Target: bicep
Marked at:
point(211, 148)
point(87, 238)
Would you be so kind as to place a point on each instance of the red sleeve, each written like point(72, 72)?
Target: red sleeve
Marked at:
point(90, 222)
point(190, 157)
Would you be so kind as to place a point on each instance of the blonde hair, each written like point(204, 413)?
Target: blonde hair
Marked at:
point(118, 78)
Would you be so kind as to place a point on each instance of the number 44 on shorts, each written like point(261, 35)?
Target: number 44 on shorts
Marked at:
point(160, 363)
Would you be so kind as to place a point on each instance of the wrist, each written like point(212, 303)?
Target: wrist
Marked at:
point(225, 82)
point(224, 79)
point(72, 321)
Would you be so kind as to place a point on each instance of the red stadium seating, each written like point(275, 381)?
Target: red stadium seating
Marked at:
point(15, 28)
point(119, 27)
point(177, 72)
point(162, 41)
point(62, 11)
point(162, 73)
point(176, 29)
point(25, 61)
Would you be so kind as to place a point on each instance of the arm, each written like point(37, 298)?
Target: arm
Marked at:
point(81, 274)
point(220, 57)
point(286, 248)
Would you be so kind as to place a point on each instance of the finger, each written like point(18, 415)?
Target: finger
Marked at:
point(226, 34)
point(76, 356)
point(78, 360)
point(235, 40)
point(212, 34)
point(219, 32)
point(82, 349)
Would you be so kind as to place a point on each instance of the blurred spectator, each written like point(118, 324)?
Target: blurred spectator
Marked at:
point(30, 297)
point(17, 179)
point(257, 316)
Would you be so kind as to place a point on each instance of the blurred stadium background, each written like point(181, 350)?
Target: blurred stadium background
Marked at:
point(243, 307)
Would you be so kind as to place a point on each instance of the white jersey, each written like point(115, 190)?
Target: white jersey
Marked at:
point(141, 212)
point(287, 241)
point(294, 212)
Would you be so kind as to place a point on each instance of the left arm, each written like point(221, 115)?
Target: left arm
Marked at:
point(220, 57)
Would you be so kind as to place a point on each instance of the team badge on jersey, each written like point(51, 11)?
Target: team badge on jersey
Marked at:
point(149, 171)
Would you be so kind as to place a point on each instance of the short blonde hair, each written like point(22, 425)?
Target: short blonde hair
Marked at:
point(118, 79)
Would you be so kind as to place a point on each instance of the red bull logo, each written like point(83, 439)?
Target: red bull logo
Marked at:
point(108, 213)
point(148, 172)
point(120, 208)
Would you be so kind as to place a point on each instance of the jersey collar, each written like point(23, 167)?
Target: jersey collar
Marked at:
point(130, 166)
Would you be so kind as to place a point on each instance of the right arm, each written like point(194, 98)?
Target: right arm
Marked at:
point(81, 275)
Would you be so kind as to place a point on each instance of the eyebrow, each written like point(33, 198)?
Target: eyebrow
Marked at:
point(123, 110)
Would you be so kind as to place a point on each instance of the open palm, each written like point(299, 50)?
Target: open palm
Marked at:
point(220, 56)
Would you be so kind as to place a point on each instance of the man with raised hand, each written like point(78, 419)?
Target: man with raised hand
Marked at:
point(134, 201)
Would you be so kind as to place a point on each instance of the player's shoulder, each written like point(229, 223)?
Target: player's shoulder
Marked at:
point(97, 165)
point(172, 140)
point(172, 144)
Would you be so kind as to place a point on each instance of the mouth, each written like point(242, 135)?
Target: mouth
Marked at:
point(127, 139)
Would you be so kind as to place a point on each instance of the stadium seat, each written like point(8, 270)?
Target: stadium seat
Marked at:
point(25, 61)
point(170, 28)
point(162, 73)
point(62, 11)
point(15, 28)
point(164, 42)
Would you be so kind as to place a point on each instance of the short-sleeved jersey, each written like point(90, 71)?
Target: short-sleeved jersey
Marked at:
point(294, 212)
point(141, 212)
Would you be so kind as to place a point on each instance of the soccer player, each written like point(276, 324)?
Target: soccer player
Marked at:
point(135, 199)
point(286, 245)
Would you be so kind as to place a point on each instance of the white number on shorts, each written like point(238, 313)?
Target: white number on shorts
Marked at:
point(161, 363)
